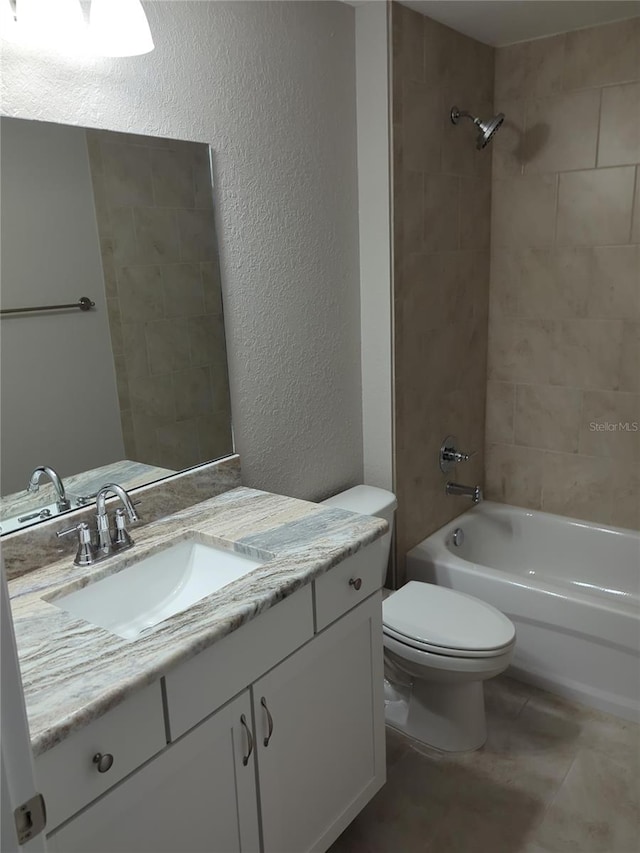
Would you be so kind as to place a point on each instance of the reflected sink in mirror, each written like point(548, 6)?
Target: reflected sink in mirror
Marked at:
point(146, 593)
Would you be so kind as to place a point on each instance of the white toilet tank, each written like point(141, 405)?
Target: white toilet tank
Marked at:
point(369, 500)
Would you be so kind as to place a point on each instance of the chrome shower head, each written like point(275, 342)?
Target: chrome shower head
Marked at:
point(487, 128)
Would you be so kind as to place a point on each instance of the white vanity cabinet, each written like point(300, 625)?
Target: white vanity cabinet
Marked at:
point(199, 794)
point(283, 766)
point(320, 734)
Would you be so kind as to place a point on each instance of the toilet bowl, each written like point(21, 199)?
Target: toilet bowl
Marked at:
point(439, 645)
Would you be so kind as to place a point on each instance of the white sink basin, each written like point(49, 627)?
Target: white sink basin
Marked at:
point(148, 592)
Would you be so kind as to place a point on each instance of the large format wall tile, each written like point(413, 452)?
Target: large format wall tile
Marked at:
point(567, 127)
point(564, 331)
point(603, 55)
point(441, 222)
point(514, 475)
point(620, 126)
point(614, 287)
point(635, 228)
point(594, 207)
point(421, 126)
point(577, 486)
point(548, 417)
point(501, 401)
point(607, 426)
point(630, 357)
point(530, 69)
point(554, 282)
point(523, 211)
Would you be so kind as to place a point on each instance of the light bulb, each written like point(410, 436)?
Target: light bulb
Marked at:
point(119, 28)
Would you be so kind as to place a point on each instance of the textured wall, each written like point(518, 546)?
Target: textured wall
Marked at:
point(271, 86)
point(441, 210)
point(374, 190)
point(51, 255)
point(564, 338)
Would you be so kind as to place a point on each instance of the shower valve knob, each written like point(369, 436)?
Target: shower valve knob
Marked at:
point(450, 457)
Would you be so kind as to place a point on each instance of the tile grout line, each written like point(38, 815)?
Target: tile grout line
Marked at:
point(551, 802)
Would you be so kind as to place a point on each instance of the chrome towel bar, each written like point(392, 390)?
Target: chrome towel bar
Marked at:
point(84, 304)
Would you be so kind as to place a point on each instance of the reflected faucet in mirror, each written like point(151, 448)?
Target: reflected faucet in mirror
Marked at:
point(63, 503)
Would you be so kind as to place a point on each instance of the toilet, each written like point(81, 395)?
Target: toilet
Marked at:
point(439, 646)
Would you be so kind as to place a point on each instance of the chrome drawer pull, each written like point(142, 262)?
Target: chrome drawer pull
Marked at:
point(245, 758)
point(263, 702)
point(103, 762)
point(355, 583)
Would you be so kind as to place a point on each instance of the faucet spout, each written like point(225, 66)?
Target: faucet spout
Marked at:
point(63, 503)
point(106, 545)
point(473, 492)
point(118, 491)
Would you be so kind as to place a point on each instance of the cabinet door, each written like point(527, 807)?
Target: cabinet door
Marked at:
point(320, 732)
point(198, 795)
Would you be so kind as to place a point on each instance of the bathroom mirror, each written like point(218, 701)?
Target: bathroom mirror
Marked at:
point(135, 388)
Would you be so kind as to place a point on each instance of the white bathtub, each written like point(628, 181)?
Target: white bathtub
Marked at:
point(571, 588)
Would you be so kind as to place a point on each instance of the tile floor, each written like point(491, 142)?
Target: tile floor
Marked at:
point(553, 777)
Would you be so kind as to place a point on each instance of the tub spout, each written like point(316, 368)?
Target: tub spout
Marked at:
point(473, 492)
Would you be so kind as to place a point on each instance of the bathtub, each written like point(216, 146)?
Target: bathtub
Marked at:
point(572, 589)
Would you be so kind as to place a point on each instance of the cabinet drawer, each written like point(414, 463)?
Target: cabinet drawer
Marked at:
point(132, 732)
point(206, 682)
point(335, 595)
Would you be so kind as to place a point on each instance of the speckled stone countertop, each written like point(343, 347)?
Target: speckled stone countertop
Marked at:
point(73, 672)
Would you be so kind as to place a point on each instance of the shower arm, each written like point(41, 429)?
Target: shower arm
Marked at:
point(458, 114)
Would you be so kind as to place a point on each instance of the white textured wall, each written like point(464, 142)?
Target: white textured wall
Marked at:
point(272, 87)
point(374, 188)
point(68, 419)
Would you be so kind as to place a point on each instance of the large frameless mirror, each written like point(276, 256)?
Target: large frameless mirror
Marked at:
point(128, 381)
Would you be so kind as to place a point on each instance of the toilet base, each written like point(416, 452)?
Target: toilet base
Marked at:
point(448, 717)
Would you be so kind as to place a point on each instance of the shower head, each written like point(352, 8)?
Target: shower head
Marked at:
point(486, 127)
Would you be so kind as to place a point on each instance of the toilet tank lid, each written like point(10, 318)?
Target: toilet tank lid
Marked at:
point(367, 500)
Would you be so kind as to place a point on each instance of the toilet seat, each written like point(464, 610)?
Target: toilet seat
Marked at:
point(444, 622)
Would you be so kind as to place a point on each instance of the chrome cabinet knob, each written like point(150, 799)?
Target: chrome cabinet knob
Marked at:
point(103, 762)
point(356, 583)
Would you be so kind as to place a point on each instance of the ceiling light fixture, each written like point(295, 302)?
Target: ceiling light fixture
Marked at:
point(52, 23)
point(7, 20)
point(119, 28)
point(116, 27)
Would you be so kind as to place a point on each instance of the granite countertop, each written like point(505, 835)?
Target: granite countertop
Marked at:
point(73, 672)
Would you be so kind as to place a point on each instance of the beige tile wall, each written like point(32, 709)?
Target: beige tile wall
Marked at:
point(441, 213)
point(564, 324)
point(155, 219)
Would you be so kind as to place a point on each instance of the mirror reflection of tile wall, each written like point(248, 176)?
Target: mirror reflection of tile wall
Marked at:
point(154, 209)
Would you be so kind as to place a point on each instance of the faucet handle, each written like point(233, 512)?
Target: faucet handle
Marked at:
point(450, 456)
point(86, 553)
point(121, 539)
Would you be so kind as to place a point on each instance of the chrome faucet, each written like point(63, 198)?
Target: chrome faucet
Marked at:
point(89, 553)
point(473, 492)
point(63, 503)
point(107, 545)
